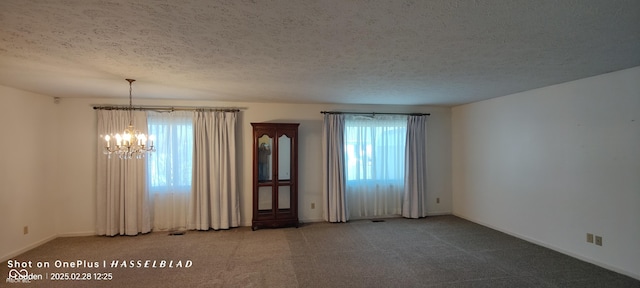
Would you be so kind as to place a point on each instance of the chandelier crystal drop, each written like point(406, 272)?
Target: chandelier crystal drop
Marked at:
point(131, 143)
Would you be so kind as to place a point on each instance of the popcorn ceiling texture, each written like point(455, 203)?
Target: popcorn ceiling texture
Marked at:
point(442, 52)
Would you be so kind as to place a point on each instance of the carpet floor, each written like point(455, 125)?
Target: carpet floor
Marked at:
point(443, 251)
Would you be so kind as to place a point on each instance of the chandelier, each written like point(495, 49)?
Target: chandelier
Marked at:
point(132, 143)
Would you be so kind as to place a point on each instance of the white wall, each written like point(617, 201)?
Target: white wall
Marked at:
point(28, 174)
point(553, 164)
point(78, 181)
point(73, 201)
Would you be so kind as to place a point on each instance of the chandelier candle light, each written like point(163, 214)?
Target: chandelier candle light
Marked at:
point(132, 143)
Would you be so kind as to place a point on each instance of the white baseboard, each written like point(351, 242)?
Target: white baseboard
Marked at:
point(554, 248)
point(439, 213)
point(367, 218)
point(312, 220)
point(78, 234)
point(42, 242)
point(27, 248)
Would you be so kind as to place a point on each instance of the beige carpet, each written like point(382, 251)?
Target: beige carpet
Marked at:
point(443, 251)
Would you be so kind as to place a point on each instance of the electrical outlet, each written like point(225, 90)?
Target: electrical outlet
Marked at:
point(313, 205)
point(25, 230)
point(598, 240)
point(589, 238)
point(438, 200)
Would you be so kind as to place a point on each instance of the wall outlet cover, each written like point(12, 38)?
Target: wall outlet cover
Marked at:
point(599, 240)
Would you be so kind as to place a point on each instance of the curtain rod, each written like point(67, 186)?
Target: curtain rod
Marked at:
point(166, 108)
point(374, 113)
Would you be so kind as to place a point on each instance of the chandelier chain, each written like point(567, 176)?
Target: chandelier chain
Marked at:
point(130, 101)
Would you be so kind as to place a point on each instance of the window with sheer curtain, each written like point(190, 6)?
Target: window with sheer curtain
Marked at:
point(374, 149)
point(169, 169)
point(169, 190)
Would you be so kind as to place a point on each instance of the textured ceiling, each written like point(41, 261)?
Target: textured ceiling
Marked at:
point(441, 52)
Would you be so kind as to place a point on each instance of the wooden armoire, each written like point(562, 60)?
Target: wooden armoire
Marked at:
point(275, 175)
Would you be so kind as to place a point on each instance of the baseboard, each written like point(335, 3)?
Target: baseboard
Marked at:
point(317, 220)
point(554, 248)
point(42, 242)
point(438, 213)
point(27, 248)
point(78, 234)
point(312, 220)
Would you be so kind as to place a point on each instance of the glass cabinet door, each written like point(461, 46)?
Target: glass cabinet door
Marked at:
point(265, 158)
point(284, 158)
point(265, 196)
point(284, 198)
point(284, 174)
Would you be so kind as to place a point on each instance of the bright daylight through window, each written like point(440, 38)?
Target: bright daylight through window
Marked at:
point(374, 148)
point(169, 170)
point(374, 164)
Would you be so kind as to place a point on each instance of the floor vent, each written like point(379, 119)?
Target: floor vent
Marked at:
point(377, 220)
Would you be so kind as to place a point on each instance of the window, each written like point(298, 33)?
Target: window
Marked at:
point(374, 164)
point(374, 148)
point(170, 167)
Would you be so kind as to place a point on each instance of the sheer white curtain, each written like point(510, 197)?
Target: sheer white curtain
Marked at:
point(375, 156)
point(215, 201)
point(122, 200)
point(414, 205)
point(333, 194)
point(169, 168)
